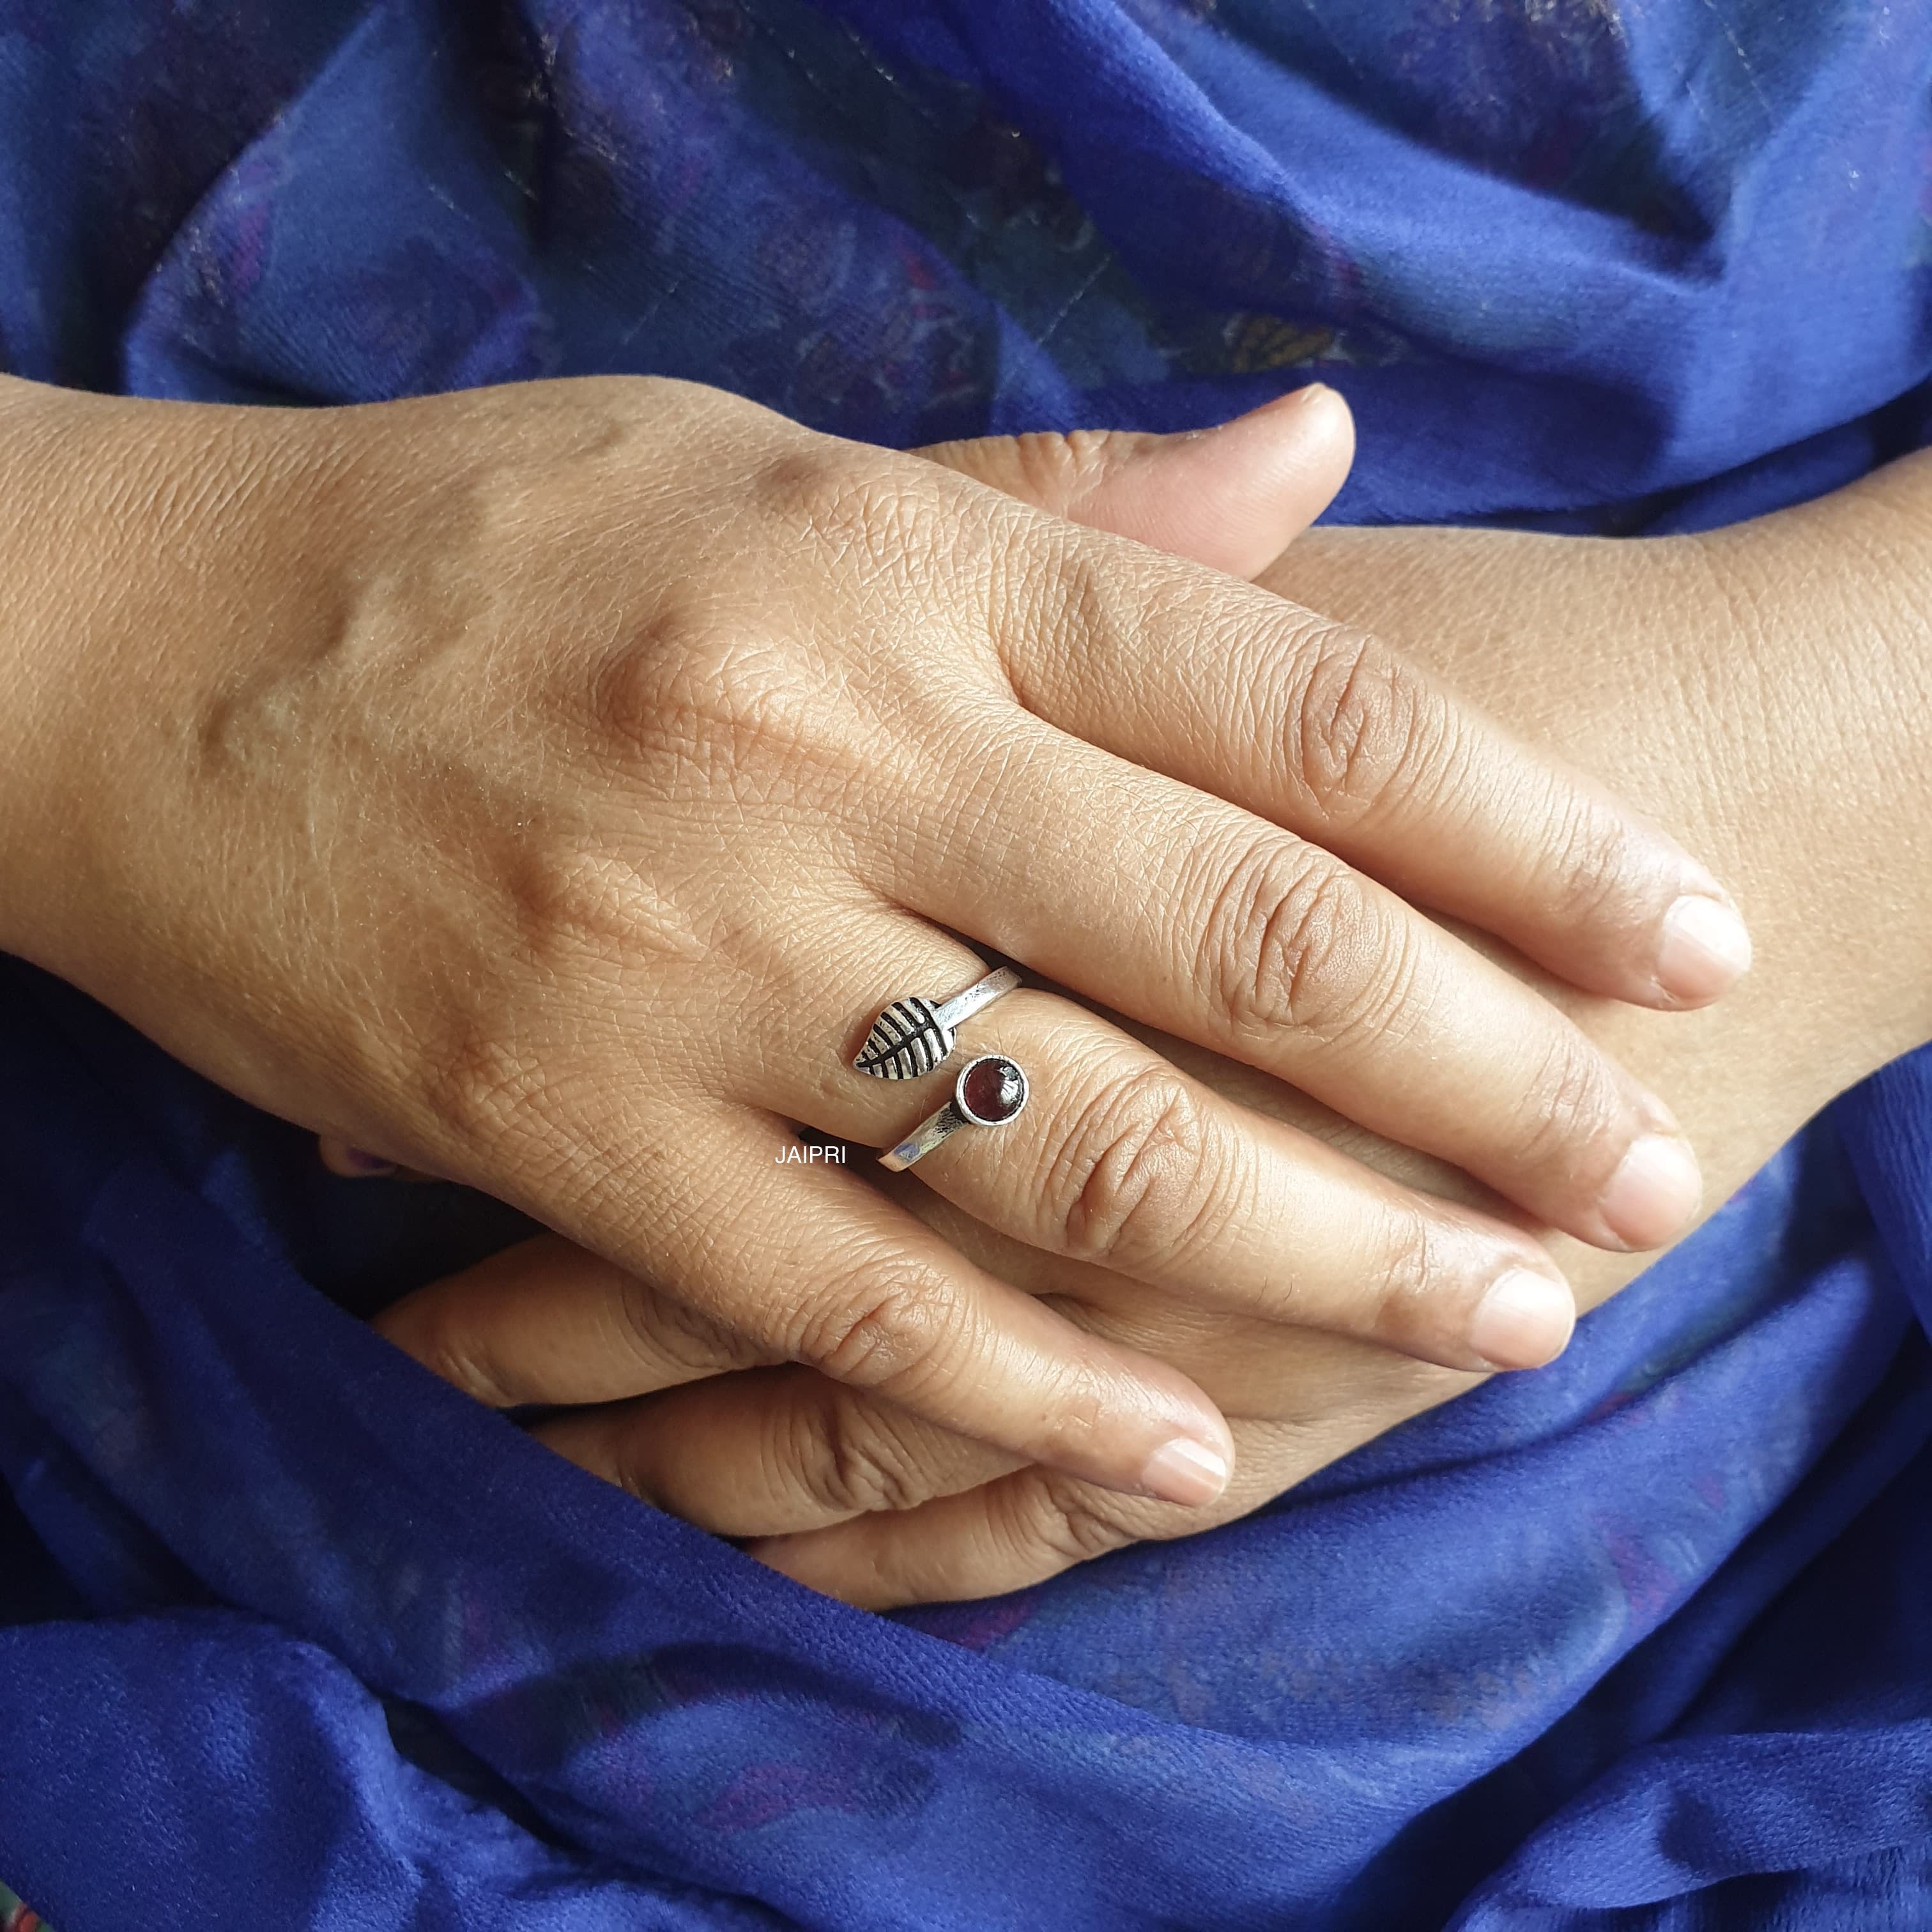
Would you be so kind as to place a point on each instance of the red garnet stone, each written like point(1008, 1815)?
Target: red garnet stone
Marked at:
point(992, 1089)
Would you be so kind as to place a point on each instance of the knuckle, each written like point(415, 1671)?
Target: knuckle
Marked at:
point(1568, 1103)
point(649, 675)
point(855, 1466)
point(666, 1333)
point(637, 1477)
point(892, 1329)
point(692, 682)
point(891, 517)
point(449, 1350)
point(1294, 940)
point(1590, 864)
point(1134, 1176)
point(1054, 606)
point(576, 902)
point(1411, 1269)
point(1066, 1521)
point(1057, 469)
point(1363, 722)
point(734, 706)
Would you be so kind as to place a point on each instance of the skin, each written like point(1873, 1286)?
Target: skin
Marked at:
point(1763, 690)
point(529, 785)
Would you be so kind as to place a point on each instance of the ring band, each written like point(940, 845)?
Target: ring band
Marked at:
point(914, 1034)
point(990, 1091)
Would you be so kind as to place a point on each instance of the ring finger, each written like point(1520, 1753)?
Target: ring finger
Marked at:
point(1119, 1158)
point(1259, 945)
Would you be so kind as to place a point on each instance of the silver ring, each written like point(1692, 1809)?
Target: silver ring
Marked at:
point(914, 1034)
point(990, 1091)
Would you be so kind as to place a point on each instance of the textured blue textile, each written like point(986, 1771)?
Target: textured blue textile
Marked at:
point(291, 1634)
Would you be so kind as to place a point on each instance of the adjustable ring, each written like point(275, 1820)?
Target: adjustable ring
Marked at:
point(914, 1034)
point(990, 1091)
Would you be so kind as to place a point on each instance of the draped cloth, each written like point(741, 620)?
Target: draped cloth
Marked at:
point(292, 1634)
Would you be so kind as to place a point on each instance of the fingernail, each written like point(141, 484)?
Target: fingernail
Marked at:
point(1705, 947)
point(354, 1162)
point(1185, 1471)
point(1309, 392)
point(1655, 1189)
point(1288, 399)
point(1524, 1320)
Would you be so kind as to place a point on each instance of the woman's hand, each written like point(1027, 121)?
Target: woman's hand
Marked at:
point(1766, 689)
point(544, 787)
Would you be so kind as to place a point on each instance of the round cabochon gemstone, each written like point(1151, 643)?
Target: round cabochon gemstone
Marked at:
point(992, 1089)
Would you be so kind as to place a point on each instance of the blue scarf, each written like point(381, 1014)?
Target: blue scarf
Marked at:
point(292, 1634)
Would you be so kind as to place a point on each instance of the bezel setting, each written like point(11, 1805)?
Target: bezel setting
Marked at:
point(1007, 1097)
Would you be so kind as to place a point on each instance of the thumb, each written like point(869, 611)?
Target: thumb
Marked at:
point(1233, 497)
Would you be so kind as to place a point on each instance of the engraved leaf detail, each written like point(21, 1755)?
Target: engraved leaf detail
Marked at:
point(908, 1039)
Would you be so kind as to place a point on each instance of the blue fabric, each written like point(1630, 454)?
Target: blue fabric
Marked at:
point(290, 1634)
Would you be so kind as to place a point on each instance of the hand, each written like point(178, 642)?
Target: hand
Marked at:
point(542, 787)
point(1671, 671)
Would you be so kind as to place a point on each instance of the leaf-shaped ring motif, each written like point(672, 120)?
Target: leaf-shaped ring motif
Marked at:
point(913, 1035)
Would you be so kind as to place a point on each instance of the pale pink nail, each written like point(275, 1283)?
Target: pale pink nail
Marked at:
point(1704, 949)
point(1523, 1321)
point(1655, 1190)
point(1185, 1471)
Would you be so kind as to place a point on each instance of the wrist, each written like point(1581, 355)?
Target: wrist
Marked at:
point(1829, 683)
point(102, 630)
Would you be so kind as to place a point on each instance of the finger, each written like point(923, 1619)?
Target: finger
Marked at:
point(1120, 1160)
point(1232, 497)
point(1337, 738)
point(810, 1265)
point(785, 1450)
point(1018, 1530)
point(1263, 946)
point(546, 1321)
